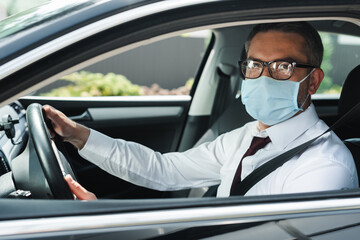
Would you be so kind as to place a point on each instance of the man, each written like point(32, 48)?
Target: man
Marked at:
point(282, 70)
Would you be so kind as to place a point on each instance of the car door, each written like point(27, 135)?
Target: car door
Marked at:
point(326, 215)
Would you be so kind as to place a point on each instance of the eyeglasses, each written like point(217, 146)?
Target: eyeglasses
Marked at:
point(279, 70)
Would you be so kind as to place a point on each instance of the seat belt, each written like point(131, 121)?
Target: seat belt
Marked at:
point(270, 166)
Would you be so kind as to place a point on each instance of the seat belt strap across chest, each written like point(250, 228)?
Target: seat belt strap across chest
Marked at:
point(270, 166)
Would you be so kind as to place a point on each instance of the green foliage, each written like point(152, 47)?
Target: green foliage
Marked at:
point(189, 83)
point(327, 86)
point(335, 89)
point(86, 84)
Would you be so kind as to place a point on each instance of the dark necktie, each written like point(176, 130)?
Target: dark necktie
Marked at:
point(256, 144)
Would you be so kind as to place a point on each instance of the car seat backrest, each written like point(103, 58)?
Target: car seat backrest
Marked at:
point(353, 144)
point(350, 96)
point(235, 114)
point(350, 131)
point(233, 117)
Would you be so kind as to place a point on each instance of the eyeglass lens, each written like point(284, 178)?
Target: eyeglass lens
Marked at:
point(280, 70)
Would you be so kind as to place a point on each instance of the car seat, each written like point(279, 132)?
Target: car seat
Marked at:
point(233, 117)
point(350, 131)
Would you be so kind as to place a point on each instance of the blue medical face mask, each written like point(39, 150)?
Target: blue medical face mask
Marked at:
point(271, 101)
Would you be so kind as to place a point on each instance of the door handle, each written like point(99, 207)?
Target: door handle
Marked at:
point(85, 116)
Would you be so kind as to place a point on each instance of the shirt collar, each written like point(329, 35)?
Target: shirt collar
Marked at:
point(287, 131)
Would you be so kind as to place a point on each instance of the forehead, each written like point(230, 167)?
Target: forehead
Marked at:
point(273, 45)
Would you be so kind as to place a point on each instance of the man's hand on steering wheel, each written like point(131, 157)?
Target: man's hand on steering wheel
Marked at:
point(79, 191)
point(75, 134)
point(67, 129)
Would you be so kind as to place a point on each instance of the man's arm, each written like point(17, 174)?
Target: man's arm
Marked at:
point(138, 164)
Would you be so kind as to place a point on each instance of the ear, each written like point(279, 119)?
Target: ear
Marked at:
point(315, 79)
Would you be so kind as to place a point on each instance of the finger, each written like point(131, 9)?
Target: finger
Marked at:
point(75, 187)
point(50, 125)
point(59, 122)
point(51, 113)
point(80, 192)
point(52, 134)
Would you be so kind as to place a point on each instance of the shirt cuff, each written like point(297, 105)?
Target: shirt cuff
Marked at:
point(97, 147)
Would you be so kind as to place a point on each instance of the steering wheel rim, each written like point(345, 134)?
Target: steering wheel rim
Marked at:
point(45, 150)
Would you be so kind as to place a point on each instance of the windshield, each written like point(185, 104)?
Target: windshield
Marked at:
point(39, 15)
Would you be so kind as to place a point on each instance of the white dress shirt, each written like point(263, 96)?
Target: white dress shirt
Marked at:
point(326, 165)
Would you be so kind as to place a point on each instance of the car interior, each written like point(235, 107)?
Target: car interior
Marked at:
point(213, 108)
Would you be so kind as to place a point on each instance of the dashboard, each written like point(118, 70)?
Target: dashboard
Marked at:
point(11, 148)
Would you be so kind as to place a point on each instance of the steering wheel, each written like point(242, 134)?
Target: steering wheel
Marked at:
point(41, 167)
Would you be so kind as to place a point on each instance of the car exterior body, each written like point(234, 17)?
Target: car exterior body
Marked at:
point(39, 46)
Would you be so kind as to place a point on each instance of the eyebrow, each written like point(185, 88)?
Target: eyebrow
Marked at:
point(279, 59)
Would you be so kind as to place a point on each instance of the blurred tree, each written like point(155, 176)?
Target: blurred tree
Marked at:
point(327, 85)
point(87, 84)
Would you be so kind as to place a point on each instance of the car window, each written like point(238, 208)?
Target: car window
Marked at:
point(341, 55)
point(166, 67)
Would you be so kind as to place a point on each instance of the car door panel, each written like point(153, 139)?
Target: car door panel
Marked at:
point(157, 124)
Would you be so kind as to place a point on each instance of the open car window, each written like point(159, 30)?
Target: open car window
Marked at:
point(165, 67)
point(341, 55)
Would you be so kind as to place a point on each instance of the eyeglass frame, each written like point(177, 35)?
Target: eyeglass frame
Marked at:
point(294, 64)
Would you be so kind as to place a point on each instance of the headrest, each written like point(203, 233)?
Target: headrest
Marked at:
point(350, 94)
